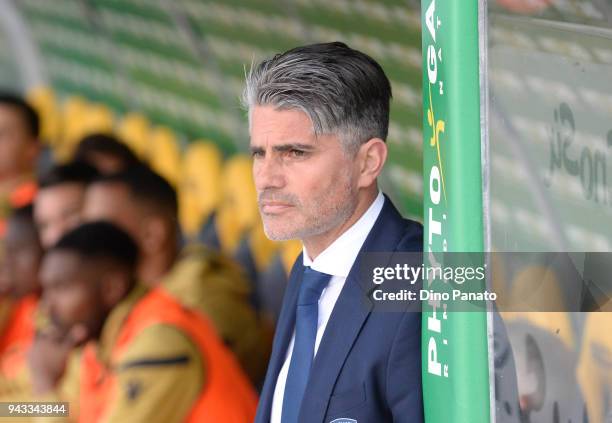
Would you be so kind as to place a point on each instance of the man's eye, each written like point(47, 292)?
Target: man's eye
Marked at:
point(297, 153)
point(257, 154)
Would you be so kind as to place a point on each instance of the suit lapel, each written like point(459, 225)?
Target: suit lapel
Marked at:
point(282, 336)
point(347, 318)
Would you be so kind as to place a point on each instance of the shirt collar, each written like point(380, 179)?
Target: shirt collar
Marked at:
point(338, 258)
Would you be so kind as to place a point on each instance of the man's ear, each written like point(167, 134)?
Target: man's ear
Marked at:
point(371, 157)
point(114, 286)
point(33, 151)
point(155, 235)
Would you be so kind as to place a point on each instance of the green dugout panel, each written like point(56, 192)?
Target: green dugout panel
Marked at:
point(455, 348)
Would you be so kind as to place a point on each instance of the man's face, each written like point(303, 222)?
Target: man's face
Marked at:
point(71, 293)
point(306, 185)
point(18, 148)
point(57, 209)
point(112, 202)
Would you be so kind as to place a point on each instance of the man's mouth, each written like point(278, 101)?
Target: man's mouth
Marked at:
point(274, 207)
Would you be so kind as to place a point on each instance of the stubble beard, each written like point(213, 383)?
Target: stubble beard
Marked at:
point(321, 215)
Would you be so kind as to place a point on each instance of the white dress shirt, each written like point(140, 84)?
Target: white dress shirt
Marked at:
point(335, 260)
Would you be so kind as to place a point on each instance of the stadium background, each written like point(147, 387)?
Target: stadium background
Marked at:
point(168, 75)
point(181, 65)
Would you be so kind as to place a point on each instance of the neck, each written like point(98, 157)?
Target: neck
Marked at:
point(316, 244)
point(154, 268)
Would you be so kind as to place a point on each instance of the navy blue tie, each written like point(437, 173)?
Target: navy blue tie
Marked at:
point(306, 320)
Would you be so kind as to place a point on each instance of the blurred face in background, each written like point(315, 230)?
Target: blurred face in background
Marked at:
point(22, 257)
point(112, 202)
point(155, 236)
point(18, 148)
point(105, 163)
point(306, 185)
point(57, 209)
point(72, 294)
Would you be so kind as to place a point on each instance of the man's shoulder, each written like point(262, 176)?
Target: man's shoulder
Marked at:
point(392, 227)
point(412, 239)
point(201, 275)
point(160, 345)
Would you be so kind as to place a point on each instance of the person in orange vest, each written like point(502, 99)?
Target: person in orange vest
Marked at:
point(20, 275)
point(146, 358)
point(19, 150)
point(57, 208)
point(145, 205)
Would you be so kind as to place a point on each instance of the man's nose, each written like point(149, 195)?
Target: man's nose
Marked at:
point(268, 173)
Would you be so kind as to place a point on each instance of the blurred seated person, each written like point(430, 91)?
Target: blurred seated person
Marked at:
point(106, 153)
point(20, 282)
point(146, 358)
point(59, 201)
point(19, 150)
point(145, 205)
point(57, 209)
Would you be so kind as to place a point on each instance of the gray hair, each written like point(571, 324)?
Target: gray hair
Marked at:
point(343, 91)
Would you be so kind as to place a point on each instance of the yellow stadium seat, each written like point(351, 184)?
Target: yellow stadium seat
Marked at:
point(289, 251)
point(228, 230)
point(262, 248)
point(272, 282)
point(99, 118)
point(238, 210)
point(199, 187)
point(594, 371)
point(134, 129)
point(81, 119)
point(165, 154)
point(43, 99)
point(255, 253)
point(537, 288)
point(73, 114)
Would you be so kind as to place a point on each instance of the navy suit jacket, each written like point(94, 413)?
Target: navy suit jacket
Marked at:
point(368, 365)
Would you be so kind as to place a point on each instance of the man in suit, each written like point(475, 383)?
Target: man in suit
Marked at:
point(318, 120)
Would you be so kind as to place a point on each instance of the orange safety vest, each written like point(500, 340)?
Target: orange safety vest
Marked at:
point(226, 396)
point(18, 336)
point(23, 195)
